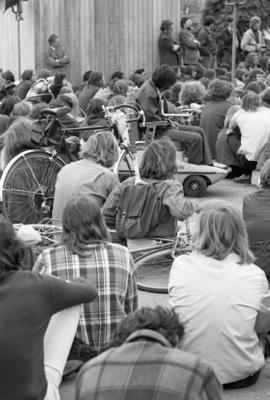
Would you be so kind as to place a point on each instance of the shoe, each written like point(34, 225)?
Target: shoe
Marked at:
point(243, 179)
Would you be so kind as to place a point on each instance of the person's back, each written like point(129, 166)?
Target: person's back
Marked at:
point(157, 167)
point(146, 365)
point(89, 176)
point(219, 294)
point(86, 251)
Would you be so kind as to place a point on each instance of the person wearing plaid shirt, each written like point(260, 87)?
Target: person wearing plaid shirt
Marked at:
point(86, 252)
point(144, 363)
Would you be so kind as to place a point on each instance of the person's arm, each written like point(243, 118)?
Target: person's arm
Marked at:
point(110, 205)
point(202, 39)
point(52, 61)
point(187, 40)
point(179, 206)
point(131, 300)
point(263, 318)
point(65, 294)
point(64, 59)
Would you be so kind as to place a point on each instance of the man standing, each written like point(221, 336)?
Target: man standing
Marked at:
point(145, 362)
point(56, 58)
point(207, 41)
point(190, 47)
point(253, 40)
point(225, 41)
point(167, 47)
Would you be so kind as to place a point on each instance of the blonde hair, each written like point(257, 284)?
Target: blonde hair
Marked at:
point(221, 231)
point(102, 147)
point(265, 174)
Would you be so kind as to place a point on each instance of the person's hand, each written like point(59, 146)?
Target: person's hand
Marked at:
point(176, 47)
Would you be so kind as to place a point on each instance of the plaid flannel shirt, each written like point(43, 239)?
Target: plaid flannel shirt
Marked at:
point(110, 268)
point(147, 367)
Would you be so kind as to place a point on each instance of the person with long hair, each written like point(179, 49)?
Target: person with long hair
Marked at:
point(221, 297)
point(91, 175)
point(86, 251)
point(145, 343)
point(158, 165)
point(34, 343)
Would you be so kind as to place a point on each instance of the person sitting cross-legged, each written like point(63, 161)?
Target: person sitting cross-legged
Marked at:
point(158, 166)
point(146, 361)
point(39, 315)
point(222, 298)
point(86, 251)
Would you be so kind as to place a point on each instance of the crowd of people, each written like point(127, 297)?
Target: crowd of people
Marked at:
point(215, 335)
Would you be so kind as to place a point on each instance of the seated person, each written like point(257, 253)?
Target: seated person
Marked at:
point(95, 117)
point(86, 251)
point(222, 298)
point(224, 153)
point(31, 363)
point(149, 99)
point(256, 208)
point(158, 165)
point(147, 342)
point(91, 175)
point(253, 121)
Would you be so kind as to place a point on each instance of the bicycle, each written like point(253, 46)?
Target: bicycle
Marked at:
point(28, 181)
point(153, 264)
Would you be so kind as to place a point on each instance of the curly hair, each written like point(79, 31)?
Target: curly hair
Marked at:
point(164, 77)
point(218, 90)
point(159, 319)
point(159, 160)
point(192, 92)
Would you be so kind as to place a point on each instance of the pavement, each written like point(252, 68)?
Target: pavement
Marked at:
point(229, 191)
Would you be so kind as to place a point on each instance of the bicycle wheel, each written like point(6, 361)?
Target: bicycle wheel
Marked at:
point(27, 186)
point(153, 270)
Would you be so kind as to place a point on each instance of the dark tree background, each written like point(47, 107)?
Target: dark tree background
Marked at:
point(219, 11)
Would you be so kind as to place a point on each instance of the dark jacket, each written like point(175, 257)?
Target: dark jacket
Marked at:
point(56, 59)
point(189, 47)
point(86, 95)
point(207, 42)
point(256, 213)
point(165, 48)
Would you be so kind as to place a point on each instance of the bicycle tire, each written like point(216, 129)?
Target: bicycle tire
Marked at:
point(27, 186)
point(148, 279)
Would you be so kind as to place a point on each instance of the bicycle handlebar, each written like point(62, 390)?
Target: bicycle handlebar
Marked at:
point(140, 113)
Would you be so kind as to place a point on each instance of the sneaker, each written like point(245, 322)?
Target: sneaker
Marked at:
point(243, 179)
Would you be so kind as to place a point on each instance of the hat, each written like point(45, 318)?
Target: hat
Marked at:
point(165, 24)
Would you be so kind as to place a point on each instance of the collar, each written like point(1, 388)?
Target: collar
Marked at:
point(145, 334)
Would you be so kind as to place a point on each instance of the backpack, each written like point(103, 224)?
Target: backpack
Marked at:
point(138, 211)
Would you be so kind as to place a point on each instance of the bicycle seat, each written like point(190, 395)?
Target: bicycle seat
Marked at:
point(55, 112)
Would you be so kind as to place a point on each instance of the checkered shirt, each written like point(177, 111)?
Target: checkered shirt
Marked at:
point(146, 367)
point(110, 268)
